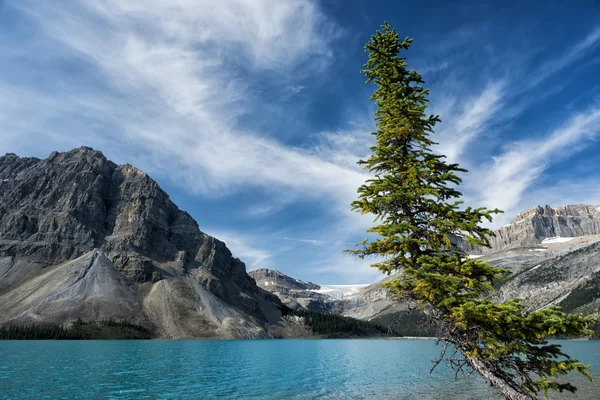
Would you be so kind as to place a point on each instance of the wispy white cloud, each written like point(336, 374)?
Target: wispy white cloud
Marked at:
point(308, 241)
point(177, 91)
point(243, 248)
point(465, 118)
point(507, 181)
point(553, 66)
point(352, 269)
point(504, 183)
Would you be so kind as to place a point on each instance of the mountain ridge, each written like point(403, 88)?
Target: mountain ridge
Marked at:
point(532, 226)
point(554, 254)
point(58, 213)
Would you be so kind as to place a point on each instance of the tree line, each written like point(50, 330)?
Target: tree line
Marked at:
point(337, 326)
point(79, 330)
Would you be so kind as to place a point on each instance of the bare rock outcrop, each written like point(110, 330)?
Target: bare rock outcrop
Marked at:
point(532, 226)
point(77, 203)
point(292, 292)
point(364, 303)
point(553, 253)
point(571, 280)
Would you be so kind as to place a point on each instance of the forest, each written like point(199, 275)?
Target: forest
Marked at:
point(79, 330)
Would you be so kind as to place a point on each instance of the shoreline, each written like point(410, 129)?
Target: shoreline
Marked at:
point(411, 338)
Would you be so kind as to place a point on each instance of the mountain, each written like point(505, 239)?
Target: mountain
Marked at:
point(368, 302)
point(553, 253)
point(83, 237)
point(356, 301)
point(293, 293)
point(539, 224)
point(570, 280)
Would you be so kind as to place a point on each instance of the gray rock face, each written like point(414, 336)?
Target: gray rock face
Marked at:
point(292, 292)
point(564, 272)
point(76, 203)
point(367, 303)
point(89, 287)
point(532, 226)
point(269, 277)
point(558, 280)
point(370, 302)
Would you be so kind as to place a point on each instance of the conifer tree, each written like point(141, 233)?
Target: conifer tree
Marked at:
point(413, 195)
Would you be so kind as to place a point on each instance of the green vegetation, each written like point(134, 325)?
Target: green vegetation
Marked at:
point(413, 323)
point(596, 329)
point(413, 195)
point(41, 332)
point(556, 268)
point(79, 330)
point(583, 294)
point(336, 326)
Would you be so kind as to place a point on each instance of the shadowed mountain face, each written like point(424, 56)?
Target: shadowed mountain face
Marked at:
point(82, 236)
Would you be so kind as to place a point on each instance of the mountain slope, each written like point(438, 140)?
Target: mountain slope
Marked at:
point(554, 254)
point(82, 236)
point(542, 224)
point(356, 301)
point(556, 280)
point(294, 293)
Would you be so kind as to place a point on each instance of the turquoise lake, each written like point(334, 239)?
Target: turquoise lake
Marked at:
point(252, 369)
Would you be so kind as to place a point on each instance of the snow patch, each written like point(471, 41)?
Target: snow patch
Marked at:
point(339, 292)
point(556, 239)
point(475, 256)
point(534, 268)
point(538, 249)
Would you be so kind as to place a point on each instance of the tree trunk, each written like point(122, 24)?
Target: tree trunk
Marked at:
point(510, 392)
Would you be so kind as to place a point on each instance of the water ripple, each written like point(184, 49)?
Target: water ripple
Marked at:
point(260, 369)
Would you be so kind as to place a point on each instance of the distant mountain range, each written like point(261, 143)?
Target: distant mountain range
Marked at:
point(554, 255)
point(83, 237)
point(356, 301)
point(539, 224)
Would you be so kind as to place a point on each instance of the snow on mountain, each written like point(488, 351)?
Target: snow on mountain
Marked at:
point(339, 292)
point(556, 239)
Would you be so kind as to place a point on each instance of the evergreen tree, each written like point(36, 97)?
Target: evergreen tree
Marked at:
point(413, 195)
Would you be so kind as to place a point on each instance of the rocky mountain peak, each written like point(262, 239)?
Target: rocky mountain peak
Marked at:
point(532, 226)
point(576, 210)
point(61, 208)
point(270, 277)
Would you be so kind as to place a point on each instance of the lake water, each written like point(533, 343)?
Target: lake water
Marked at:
point(259, 369)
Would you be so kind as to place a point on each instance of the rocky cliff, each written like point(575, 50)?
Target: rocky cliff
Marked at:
point(292, 292)
point(356, 301)
point(83, 237)
point(537, 224)
point(569, 280)
point(554, 254)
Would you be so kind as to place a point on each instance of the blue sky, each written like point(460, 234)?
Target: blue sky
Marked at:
point(252, 114)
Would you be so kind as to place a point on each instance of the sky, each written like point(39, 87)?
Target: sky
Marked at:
point(252, 114)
